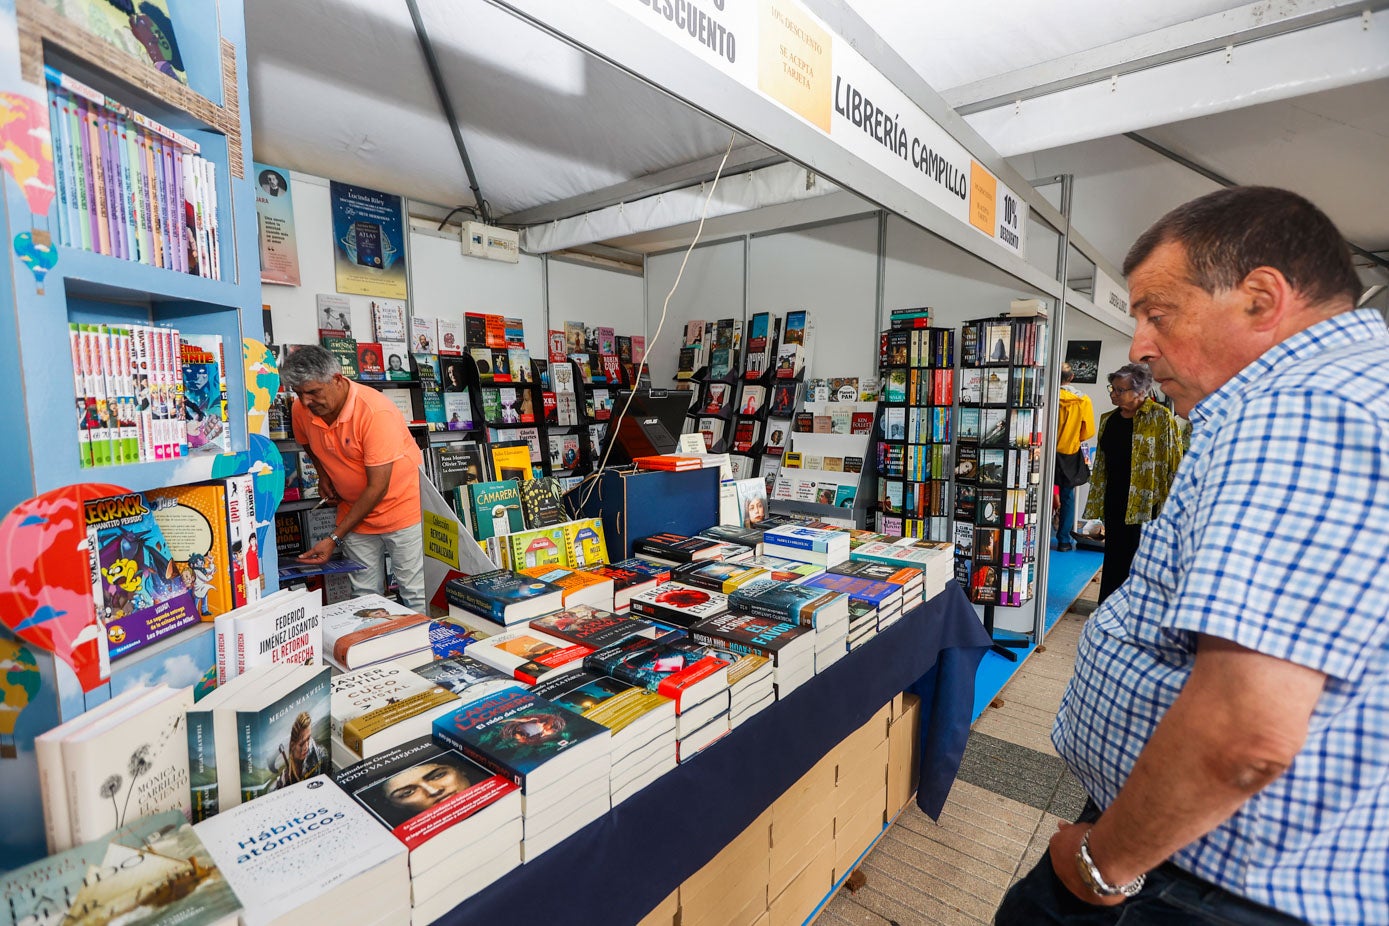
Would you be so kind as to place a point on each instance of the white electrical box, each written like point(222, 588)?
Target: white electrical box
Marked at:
point(490, 242)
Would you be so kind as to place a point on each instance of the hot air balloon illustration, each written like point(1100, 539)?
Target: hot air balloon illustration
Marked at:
point(19, 682)
point(26, 152)
point(46, 595)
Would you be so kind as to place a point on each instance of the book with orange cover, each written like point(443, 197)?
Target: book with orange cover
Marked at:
point(669, 461)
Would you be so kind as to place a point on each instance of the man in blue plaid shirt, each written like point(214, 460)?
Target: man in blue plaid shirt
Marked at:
point(1229, 714)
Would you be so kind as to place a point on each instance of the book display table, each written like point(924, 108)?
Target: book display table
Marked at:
point(618, 868)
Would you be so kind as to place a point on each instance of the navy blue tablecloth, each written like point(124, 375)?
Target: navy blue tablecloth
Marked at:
point(618, 868)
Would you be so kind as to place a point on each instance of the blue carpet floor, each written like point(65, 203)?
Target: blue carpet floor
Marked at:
point(1069, 574)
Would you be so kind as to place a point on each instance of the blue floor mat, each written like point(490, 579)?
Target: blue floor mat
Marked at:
point(1068, 575)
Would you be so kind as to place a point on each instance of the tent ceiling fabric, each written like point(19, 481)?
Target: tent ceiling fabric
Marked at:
point(339, 89)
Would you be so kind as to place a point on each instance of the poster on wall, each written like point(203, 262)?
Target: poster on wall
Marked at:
point(368, 242)
point(279, 251)
point(1084, 358)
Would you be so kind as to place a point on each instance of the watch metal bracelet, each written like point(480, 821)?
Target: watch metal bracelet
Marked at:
point(1095, 881)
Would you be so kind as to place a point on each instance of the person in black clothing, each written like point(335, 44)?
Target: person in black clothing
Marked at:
point(1135, 459)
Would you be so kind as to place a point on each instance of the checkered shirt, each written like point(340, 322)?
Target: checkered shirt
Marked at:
point(1275, 537)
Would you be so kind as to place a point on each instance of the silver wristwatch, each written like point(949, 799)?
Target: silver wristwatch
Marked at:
point(1091, 877)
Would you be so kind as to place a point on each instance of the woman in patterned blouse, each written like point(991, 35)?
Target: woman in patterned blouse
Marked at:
point(1136, 457)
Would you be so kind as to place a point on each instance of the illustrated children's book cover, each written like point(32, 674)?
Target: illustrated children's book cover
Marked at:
point(194, 522)
point(139, 594)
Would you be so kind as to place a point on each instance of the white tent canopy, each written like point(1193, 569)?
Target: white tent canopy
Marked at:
point(340, 89)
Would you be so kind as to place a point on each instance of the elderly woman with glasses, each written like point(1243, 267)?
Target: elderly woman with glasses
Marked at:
point(1136, 457)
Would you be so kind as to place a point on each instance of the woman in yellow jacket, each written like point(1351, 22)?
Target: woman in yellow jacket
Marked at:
point(1137, 454)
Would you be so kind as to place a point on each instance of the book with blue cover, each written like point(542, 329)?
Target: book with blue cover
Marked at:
point(858, 588)
point(679, 669)
point(803, 604)
point(503, 596)
point(523, 737)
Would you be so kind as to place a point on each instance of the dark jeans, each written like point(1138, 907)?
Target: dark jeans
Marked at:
point(1066, 517)
point(1170, 897)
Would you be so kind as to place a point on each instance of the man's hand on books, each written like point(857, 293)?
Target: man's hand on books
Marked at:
point(319, 553)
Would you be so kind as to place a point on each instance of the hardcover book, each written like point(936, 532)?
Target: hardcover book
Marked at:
point(595, 627)
point(584, 542)
point(370, 628)
point(542, 502)
point(541, 546)
point(153, 872)
point(678, 669)
point(529, 655)
point(285, 863)
point(193, 520)
point(524, 737)
point(680, 605)
point(503, 596)
point(287, 741)
point(494, 508)
point(436, 801)
point(139, 595)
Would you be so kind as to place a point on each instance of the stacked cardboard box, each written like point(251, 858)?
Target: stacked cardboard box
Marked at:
point(776, 872)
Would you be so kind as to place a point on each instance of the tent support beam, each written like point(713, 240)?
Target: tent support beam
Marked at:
point(436, 78)
point(1224, 181)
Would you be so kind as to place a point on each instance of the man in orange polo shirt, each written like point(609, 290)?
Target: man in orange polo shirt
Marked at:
point(368, 465)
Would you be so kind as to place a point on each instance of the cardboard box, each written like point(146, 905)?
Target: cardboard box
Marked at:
point(897, 705)
point(866, 769)
point(802, 811)
point(865, 739)
point(634, 505)
point(805, 891)
point(902, 766)
point(855, 832)
point(870, 799)
point(765, 919)
point(793, 858)
point(666, 913)
point(715, 909)
point(747, 851)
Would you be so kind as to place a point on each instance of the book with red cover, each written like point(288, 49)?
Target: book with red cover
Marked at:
point(678, 669)
point(669, 462)
point(612, 368)
point(370, 366)
point(626, 582)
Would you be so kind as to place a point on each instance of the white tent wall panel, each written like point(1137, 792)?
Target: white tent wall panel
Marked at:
point(594, 296)
point(831, 271)
point(711, 288)
point(445, 284)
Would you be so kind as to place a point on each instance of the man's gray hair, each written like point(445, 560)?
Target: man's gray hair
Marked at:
point(309, 364)
point(1139, 376)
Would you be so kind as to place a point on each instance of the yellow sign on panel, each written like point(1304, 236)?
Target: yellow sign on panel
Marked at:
point(441, 538)
point(983, 199)
point(793, 62)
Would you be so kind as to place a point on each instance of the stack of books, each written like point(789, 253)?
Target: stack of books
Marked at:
point(596, 629)
point(631, 577)
point(370, 629)
point(886, 597)
point(259, 732)
point(502, 597)
point(679, 605)
point(642, 724)
point(561, 761)
point(863, 625)
point(669, 462)
point(153, 870)
point(751, 684)
point(824, 610)
point(682, 671)
point(581, 586)
point(345, 868)
point(529, 655)
point(460, 822)
point(807, 544)
point(282, 628)
point(676, 549)
point(381, 706)
point(717, 575)
point(908, 578)
point(789, 646)
point(935, 559)
point(77, 759)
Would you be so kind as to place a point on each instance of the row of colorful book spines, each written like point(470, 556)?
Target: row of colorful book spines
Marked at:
point(128, 383)
point(933, 528)
point(1026, 342)
point(1001, 546)
point(920, 498)
point(127, 189)
point(916, 462)
point(920, 347)
point(997, 507)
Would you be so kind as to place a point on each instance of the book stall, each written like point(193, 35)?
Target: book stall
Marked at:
point(697, 626)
